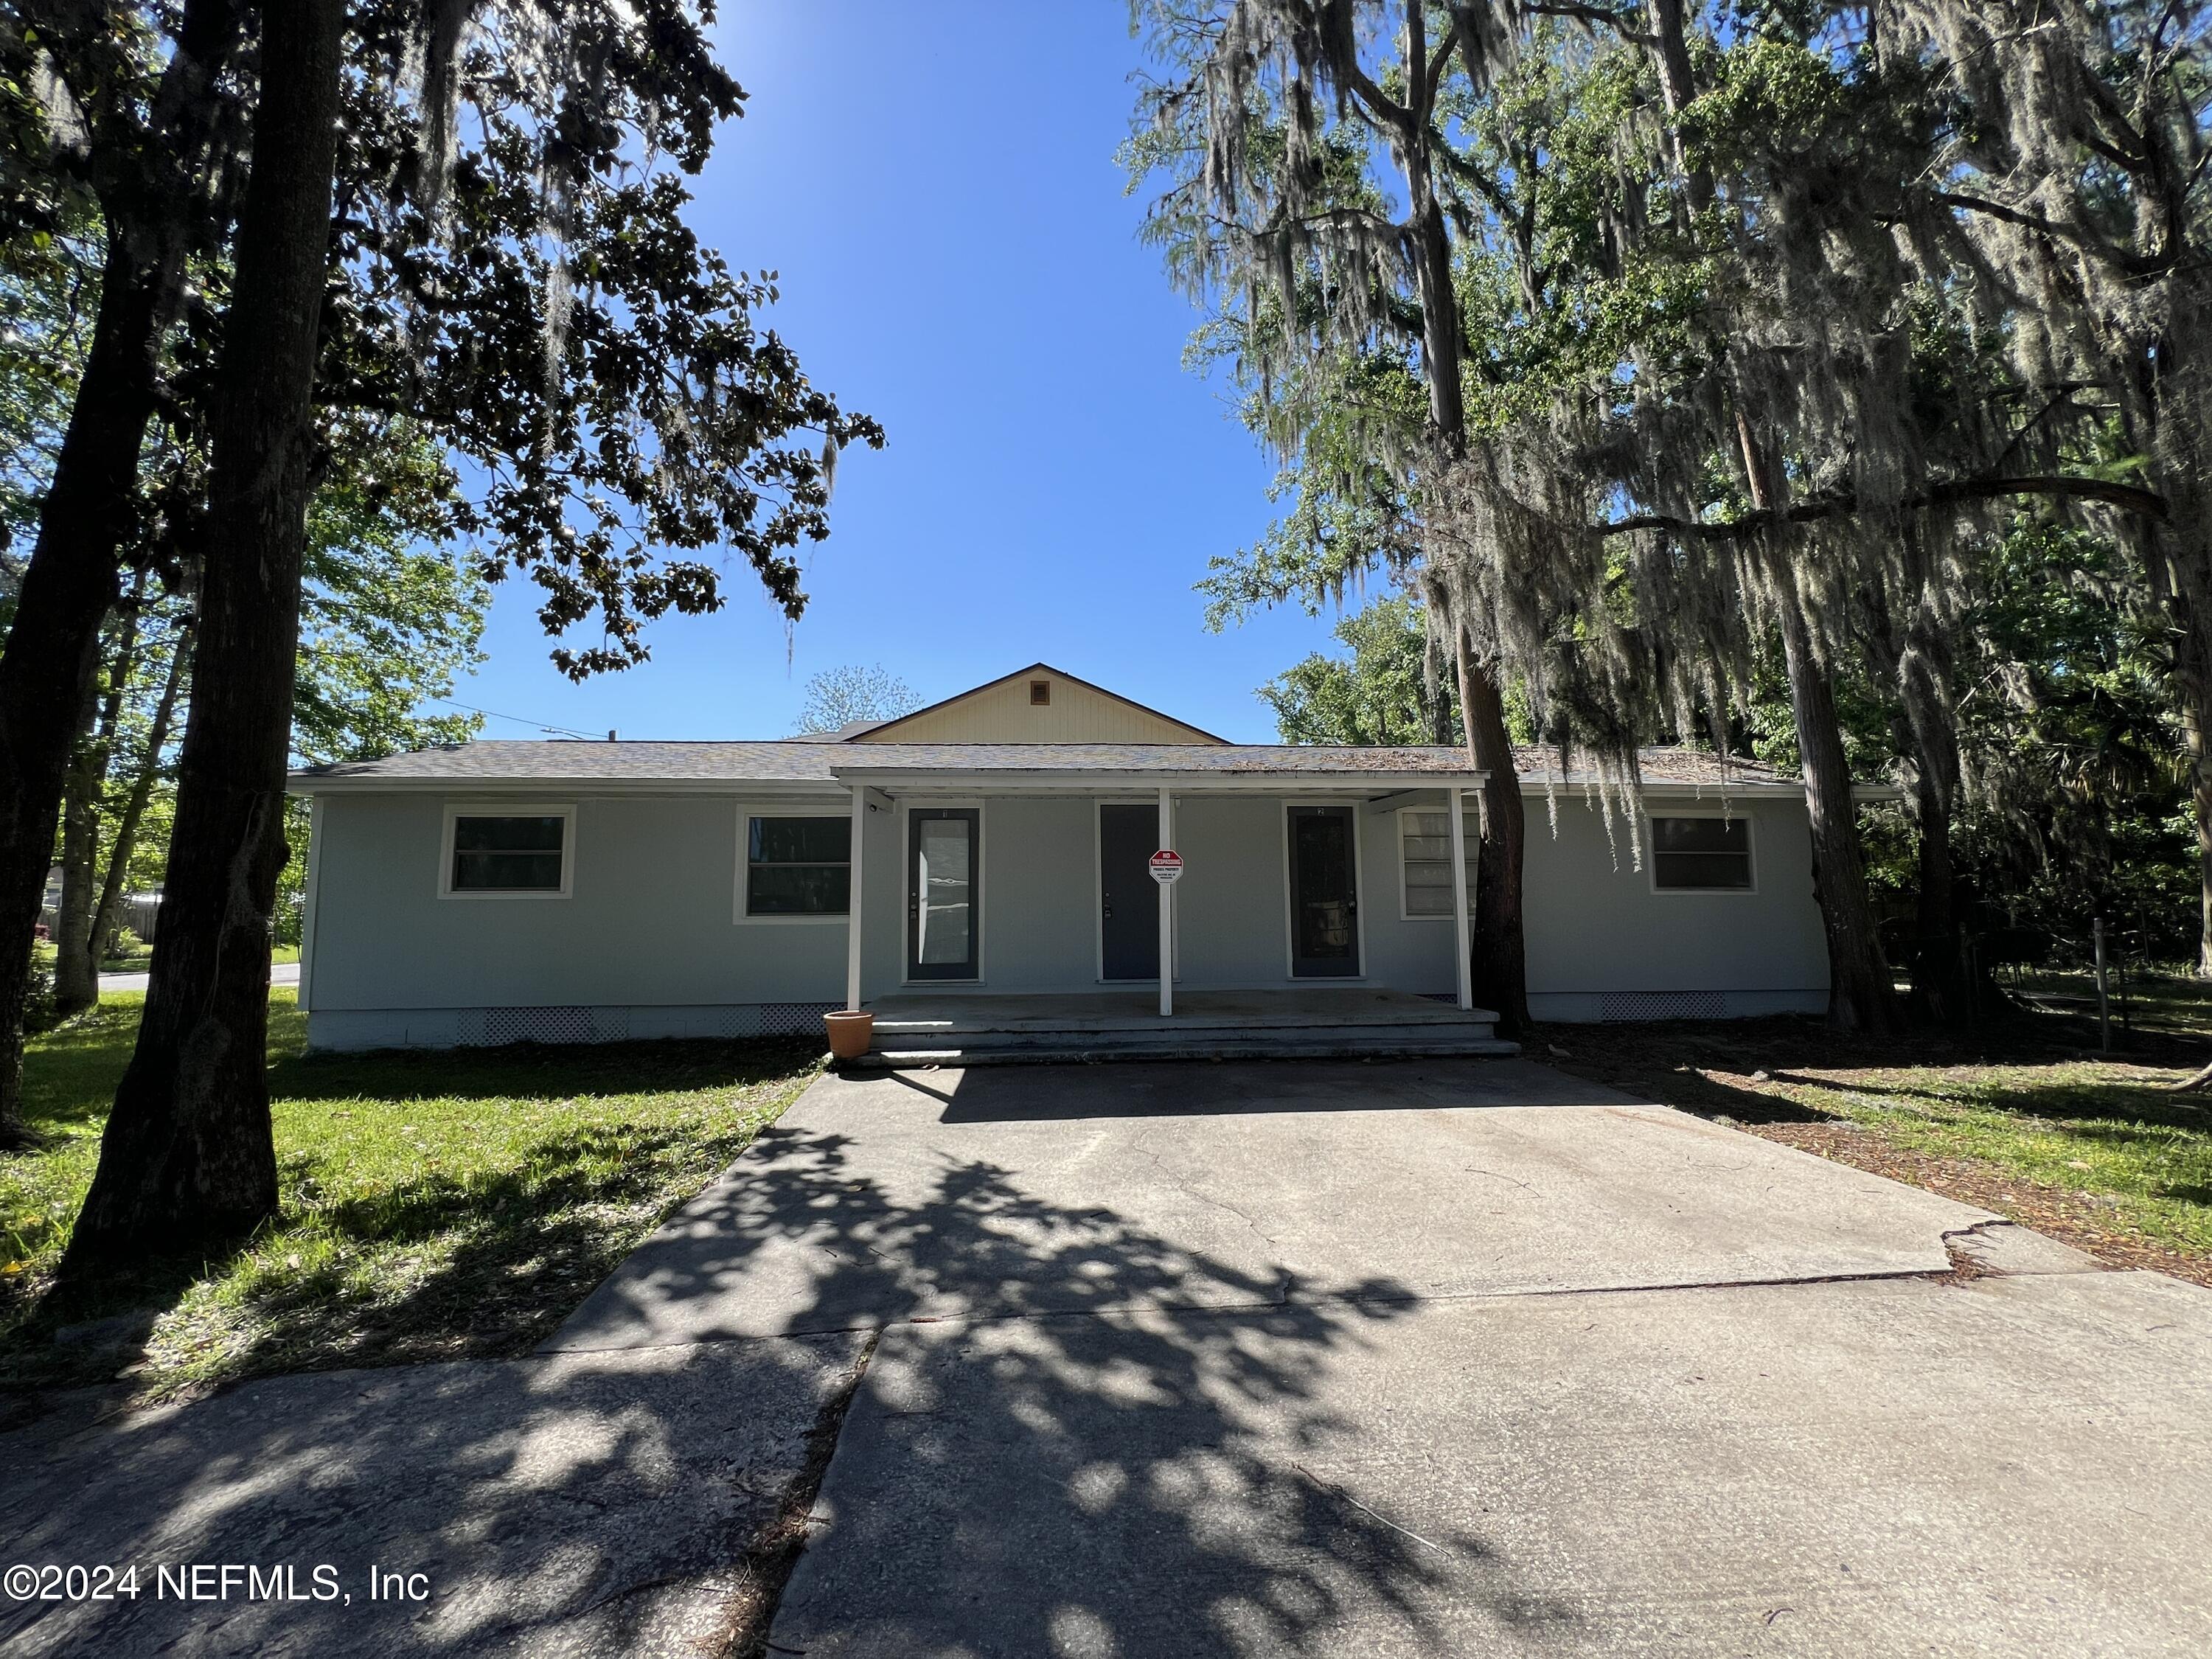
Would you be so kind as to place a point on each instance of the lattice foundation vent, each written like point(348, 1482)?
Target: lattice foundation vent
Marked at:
point(774, 1019)
point(498, 1026)
point(1662, 1005)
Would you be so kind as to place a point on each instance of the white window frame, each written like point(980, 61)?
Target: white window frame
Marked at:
point(786, 810)
point(1443, 807)
point(1750, 821)
point(456, 811)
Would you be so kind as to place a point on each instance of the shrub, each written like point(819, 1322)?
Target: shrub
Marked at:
point(38, 1000)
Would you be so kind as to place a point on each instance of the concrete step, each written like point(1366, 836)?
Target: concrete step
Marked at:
point(988, 1021)
point(1181, 1034)
point(1043, 1049)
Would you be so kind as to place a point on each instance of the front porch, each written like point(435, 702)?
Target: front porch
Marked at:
point(1363, 1022)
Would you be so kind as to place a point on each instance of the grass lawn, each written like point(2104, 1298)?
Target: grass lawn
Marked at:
point(140, 960)
point(435, 1206)
point(2025, 1119)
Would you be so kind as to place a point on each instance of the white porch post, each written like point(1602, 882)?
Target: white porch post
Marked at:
point(852, 900)
point(1462, 941)
point(1167, 910)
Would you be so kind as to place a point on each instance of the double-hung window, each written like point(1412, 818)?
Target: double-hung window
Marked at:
point(1424, 858)
point(519, 853)
point(798, 866)
point(1701, 854)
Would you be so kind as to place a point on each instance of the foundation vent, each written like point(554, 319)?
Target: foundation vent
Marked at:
point(499, 1026)
point(774, 1019)
point(1662, 1005)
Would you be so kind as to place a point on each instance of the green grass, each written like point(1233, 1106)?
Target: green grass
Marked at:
point(2109, 1129)
point(434, 1205)
point(2022, 1115)
point(138, 961)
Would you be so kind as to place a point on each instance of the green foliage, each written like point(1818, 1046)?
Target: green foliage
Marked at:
point(49, 289)
point(535, 300)
point(390, 615)
point(1378, 695)
point(39, 994)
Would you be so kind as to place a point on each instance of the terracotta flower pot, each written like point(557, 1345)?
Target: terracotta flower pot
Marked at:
point(850, 1032)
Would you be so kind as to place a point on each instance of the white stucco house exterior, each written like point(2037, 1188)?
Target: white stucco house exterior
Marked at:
point(997, 844)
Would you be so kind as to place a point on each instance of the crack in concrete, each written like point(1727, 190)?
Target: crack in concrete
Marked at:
point(766, 1564)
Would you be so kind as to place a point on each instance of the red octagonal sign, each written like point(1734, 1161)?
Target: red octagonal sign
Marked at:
point(1166, 865)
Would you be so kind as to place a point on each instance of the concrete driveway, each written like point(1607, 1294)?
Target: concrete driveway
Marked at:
point(1451, 1357)
point(1434, 1358)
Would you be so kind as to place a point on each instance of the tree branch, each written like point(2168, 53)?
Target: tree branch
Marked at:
point(2136, 265)
point(1598, 18)
point(2129, 498)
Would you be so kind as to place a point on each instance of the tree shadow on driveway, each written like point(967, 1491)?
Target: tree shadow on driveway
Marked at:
point(1165, 1481)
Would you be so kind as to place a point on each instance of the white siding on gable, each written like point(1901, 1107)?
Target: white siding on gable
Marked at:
point(1003, 713)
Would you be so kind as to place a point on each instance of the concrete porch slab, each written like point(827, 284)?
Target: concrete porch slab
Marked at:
point(924, 1016)
point(1086, 1189)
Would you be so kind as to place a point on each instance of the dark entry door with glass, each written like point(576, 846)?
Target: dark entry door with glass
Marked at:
point(1324, 894)
point(943, 886)
point(1128, 901)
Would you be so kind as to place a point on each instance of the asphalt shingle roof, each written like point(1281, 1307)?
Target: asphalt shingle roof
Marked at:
point(789, 761)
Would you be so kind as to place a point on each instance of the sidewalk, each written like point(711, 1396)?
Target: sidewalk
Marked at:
point(284, 973)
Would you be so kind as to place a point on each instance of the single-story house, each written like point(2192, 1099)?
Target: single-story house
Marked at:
point(1002, 843)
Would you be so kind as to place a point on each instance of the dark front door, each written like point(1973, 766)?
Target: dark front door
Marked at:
point(944, 883)
point(1324, 894)
point(1128, 901)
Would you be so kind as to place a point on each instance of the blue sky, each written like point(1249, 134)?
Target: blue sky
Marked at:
point(936, 187)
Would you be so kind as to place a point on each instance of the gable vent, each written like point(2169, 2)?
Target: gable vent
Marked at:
point(1040, 693)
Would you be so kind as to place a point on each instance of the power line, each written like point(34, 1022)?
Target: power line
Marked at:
point(561, 731)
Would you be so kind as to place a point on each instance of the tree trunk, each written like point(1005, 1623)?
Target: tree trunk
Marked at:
point(77, 948)
point(2195, 723)
point(53, 644)
point(1860, 997)
point(109, 915)
point(189, 1155)
point(77, 974)
point(1670, 48)
point(1939, 988)
point(1499, 957)
point(70, 582)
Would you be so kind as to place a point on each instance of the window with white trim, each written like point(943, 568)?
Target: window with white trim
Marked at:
point(1701, 854)
point(1424, 859)
point(509, 852)
point(798, 866)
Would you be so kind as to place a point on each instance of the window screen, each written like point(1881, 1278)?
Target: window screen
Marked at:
point(509, 854)
point(1424, 844)
point(1693, 854)
point(798, 867)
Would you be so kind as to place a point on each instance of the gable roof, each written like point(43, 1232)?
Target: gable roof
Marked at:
point(816, 766)
point(930, 714)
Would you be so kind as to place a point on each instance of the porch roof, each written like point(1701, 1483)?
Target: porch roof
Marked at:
point(1095, 766)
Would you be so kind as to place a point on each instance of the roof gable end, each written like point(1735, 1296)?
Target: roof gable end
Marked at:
point(1037, 704)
